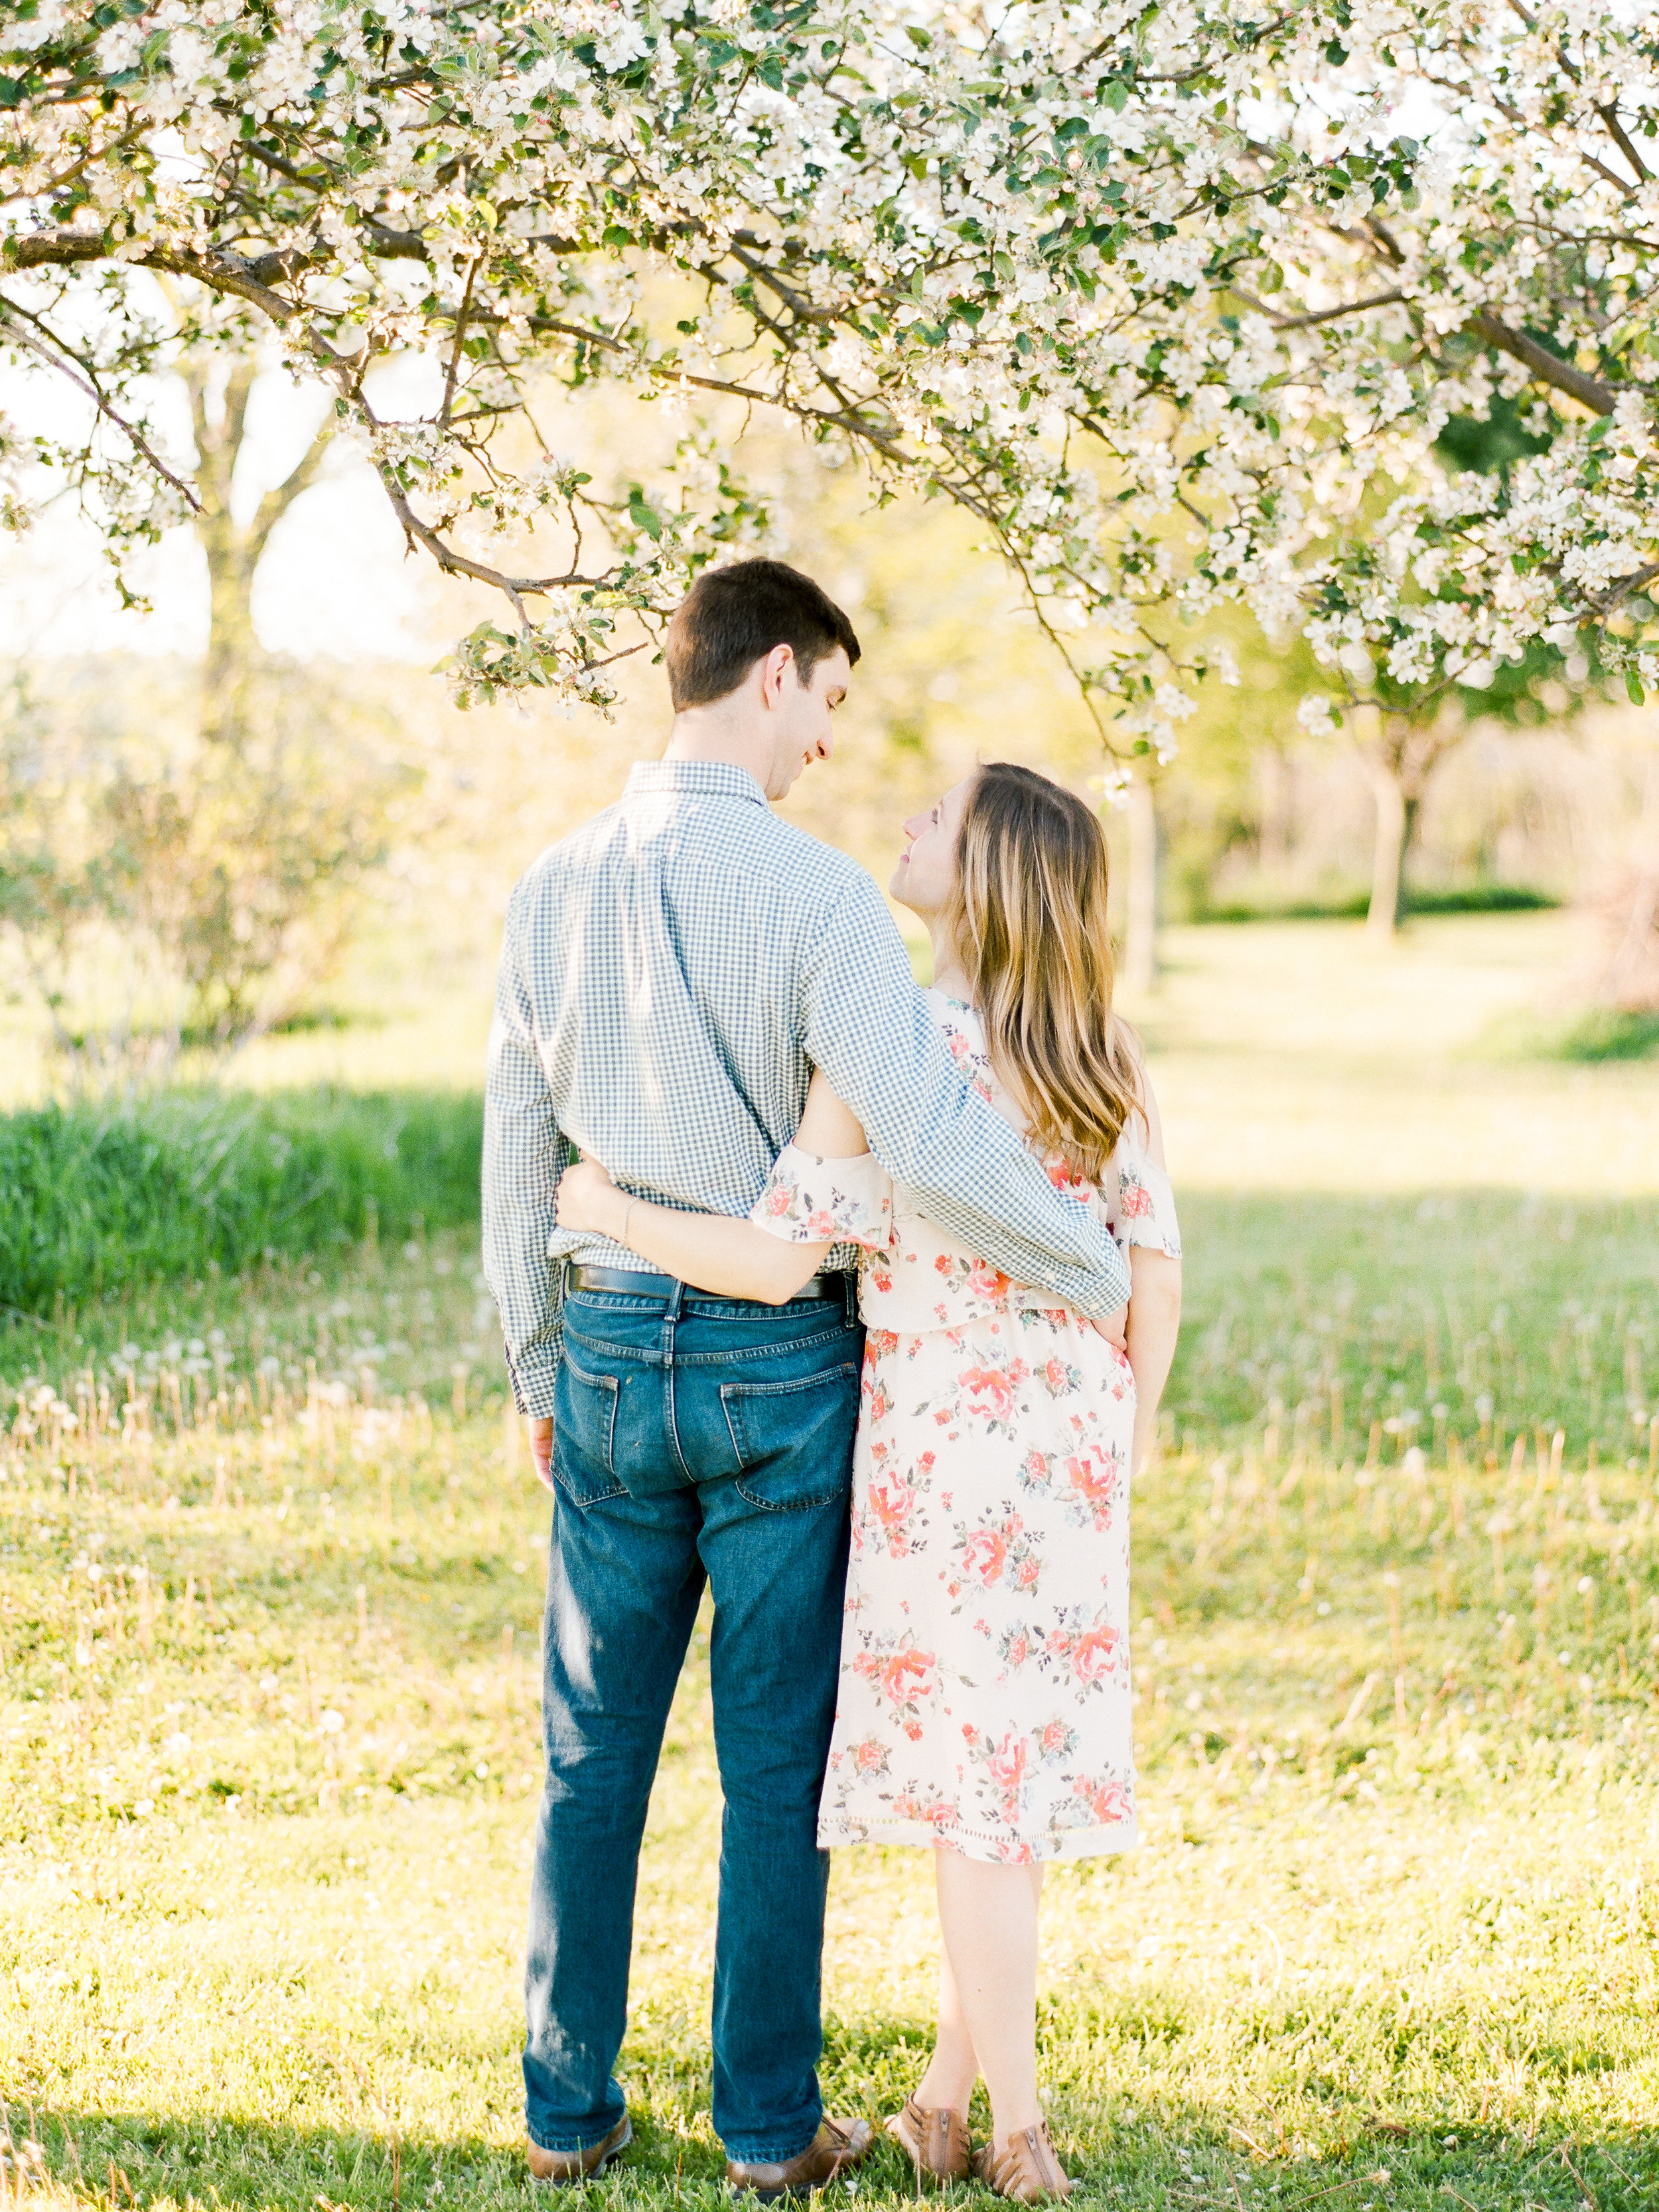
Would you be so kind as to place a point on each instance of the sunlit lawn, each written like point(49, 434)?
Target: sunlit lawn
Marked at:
point(269, 1733)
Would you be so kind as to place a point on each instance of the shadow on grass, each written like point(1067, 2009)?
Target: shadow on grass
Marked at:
point(1125, 2147)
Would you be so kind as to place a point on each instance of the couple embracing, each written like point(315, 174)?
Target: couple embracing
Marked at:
point(775, 1235)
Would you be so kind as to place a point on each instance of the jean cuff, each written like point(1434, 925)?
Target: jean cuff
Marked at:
point(569, 2145)
point(768, 2153)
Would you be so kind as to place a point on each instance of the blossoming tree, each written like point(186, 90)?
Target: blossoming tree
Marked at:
point(1178, 301)
point(1476, 358)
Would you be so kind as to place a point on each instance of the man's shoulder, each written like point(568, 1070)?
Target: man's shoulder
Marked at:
point(805, 860)
point(770, 850)
point(578, 848)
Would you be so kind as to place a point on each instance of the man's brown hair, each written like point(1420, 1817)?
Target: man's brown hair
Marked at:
point(733, 616)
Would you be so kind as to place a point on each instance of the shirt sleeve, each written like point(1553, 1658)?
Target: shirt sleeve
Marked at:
point(523, 1158)
point(869, 1029)
point(1140, 1202)
point(810, 1201)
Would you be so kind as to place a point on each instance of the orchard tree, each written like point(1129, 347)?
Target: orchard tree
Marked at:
point(1474, 360)
point(1178, 302)
point(223, 839)
point(219, 385)
point(985, 258)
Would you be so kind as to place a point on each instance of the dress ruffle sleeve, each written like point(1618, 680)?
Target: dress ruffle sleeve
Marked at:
point(1140, 1203)
point(809, 1201)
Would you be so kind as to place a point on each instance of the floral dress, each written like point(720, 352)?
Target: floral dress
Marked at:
point(984, 1697)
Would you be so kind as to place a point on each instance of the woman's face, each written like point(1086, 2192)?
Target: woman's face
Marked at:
point(926, 874)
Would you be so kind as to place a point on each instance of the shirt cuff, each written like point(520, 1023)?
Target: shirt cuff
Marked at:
point(1099, 1296)
point(534, 1375)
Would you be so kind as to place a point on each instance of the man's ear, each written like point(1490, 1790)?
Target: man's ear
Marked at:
point(776, 669)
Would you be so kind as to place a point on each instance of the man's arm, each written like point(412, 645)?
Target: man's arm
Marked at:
point(869, 1029)
point(523, 1155)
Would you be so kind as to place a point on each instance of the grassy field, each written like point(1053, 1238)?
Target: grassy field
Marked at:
point(270, 1572)
point(269, 1635)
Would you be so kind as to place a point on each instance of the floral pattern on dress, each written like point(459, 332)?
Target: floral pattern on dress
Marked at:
point(985, 1694)
point(812, 1201)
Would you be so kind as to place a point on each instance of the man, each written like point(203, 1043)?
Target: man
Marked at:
point(671, 975)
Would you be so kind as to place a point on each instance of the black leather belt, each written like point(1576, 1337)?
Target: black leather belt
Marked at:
point(636, 1284)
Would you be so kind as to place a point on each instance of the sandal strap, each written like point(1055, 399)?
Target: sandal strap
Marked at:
point(1027, 2171)
point(935, 2137)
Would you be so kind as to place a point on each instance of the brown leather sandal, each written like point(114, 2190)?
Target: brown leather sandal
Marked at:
point(937, 2140)
point(1028, 2171)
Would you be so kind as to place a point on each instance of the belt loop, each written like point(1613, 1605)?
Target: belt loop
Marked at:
point(849, 1291)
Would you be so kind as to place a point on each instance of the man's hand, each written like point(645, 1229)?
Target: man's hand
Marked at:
point(1115, 1327)
point(541, 1450)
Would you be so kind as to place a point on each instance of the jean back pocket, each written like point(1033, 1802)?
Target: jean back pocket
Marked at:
point(585, 1433)
point(794, 1440)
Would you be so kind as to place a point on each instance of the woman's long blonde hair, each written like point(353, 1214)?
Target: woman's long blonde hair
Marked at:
point(1029, 916)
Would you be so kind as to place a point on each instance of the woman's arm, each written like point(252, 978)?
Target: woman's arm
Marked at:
point(1154, 1311)
point(1154, 1325)
point(712, 1252)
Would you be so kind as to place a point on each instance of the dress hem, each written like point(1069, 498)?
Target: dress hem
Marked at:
point(1044, 1850)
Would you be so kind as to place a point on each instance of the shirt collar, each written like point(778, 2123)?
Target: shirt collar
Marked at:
point(712, 779)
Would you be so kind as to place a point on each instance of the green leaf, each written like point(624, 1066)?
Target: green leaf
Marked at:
point(1115, 96)
point(1633, 691)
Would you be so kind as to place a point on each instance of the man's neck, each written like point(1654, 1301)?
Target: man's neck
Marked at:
point(699, 736)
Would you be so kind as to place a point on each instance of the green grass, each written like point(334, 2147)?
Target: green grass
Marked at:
point(109, 1199)
point(1604, 1034)
point(1596, 1038)
point(1354, 904)
point(1508, 1313)
point(1486, 1314)
point(269, 1755)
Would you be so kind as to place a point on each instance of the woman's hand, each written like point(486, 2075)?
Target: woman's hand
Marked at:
point(587, 1199)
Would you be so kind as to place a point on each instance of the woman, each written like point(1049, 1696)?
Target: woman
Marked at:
point(984, 1707)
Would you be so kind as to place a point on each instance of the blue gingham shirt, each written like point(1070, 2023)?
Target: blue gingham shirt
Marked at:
point(671, 975)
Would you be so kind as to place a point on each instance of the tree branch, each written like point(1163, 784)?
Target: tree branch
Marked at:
point(453, 369)
point(1588, 391)
point(46, 345)
point(457, 564)
point(1319, 315)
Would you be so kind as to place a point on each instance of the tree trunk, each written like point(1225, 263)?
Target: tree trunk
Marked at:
point(1140, 937)
point(1628, 910)
point(1397, 818)
point(234, 550)
point(1277, 773)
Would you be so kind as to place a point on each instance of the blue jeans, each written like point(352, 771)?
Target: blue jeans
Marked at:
point(695, 1439)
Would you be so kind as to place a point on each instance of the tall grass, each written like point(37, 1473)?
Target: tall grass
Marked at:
point(100, 1198)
